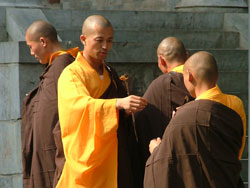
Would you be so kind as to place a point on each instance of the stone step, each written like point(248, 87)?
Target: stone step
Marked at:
point(141, 64)
point(3, 34)
point(191, 39)
point(123, 52)
point(146, 20)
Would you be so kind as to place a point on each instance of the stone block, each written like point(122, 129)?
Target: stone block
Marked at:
point(18, 20)
point(3, 34)
point(238, 22)
point(244, 171)
point(9, 93)
point(70, 35)
point(24, 53)
point(2, 16)
point(6, 182)
point(17, 181)
point(59, 18)
point(10, 147)
point(208, 21)
point(29, 74)
point(9, 52)
point(245, 153)
point(148, 20)
point(21, 3)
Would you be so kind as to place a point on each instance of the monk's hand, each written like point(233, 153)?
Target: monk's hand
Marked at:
point(153, 144)
point(131, 103)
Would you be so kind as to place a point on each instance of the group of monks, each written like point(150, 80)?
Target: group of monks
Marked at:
point(81, 129)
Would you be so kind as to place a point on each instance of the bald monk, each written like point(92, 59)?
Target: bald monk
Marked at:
point(164, 95)
point(94, 113)
point(40, 112)
point(203, 142)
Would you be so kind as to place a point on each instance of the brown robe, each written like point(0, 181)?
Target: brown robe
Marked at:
point(199, 148)
point(164, 94)
point(127, 146)
point(39, 117)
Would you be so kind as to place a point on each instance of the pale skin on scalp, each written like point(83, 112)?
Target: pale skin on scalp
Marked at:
point(97, 38)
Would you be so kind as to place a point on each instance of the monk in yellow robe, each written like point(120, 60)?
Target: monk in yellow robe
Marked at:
point(94, 114)
point(203, 142)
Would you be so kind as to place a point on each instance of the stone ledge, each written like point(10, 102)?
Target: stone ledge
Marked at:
point(10, 147)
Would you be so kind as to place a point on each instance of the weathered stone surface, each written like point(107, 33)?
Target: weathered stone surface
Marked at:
point(60, 19)
point(244, 171)
point(9, 52)
point(147, 20)
point(3, 34)
point(21, 3)
point(158, 5)
point(2, 16)
point(29, 74)
point(9, 93)
point(238, 22)
point(17, 181)
point(18, 20)
point(191, 39)
point(10, 147)
point(6, 182)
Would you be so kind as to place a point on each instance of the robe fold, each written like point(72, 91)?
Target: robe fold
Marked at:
point(200, 146)
point(164, 95)
point(39, 117)
point(90, 126)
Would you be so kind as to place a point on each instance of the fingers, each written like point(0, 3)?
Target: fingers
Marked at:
point(131, 103)
point(153, 144)
point(136, 103)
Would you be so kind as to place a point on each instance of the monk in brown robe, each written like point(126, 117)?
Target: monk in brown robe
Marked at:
point(164, 95)
point(203, 142)
point(94, 112)
point(40, 111)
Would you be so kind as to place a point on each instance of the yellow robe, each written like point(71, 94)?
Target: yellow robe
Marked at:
point(230, 101)
point(88, 127)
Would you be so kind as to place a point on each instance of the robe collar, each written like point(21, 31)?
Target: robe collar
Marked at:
point(210, 94)
point(178, 69)
point(73, 52)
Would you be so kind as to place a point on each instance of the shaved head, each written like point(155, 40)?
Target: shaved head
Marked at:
point(203, 66)
point(41, 28)
point(90, 22)
point(172, 49)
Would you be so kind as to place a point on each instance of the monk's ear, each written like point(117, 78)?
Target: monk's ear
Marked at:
point(163, 61)
point(190, 77)
point(43, 41)
point(83, 39)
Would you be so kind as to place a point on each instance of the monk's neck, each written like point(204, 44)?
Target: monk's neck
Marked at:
point(202, 88)
point(95, 64)
point(57, 47)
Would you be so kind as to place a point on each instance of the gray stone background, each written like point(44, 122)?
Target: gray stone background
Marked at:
point(217, 26)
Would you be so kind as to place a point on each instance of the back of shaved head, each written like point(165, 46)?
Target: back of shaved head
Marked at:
point(172, 49)
point(41, 28)
point(91, 21)
point(203, 65)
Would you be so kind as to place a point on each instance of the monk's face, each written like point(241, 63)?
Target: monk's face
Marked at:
point(98, 43)
point(37, 49)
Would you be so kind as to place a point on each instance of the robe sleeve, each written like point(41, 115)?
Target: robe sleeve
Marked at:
point(89, 136)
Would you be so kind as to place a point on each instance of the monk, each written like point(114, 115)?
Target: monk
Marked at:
point(94, 112)
point(40, 111)
point(164, 95)
point(203, 142)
